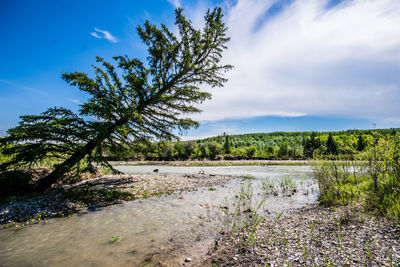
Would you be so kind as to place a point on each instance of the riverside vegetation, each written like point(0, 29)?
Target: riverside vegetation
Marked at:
point(374, 180)
point(346, 145)
point(276, 145)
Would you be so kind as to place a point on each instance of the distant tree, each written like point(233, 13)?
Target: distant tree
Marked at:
point(214, 149)
point(361, 143)
point(250, 151)
point(293, 152)
point(227, 145)
point(180, 150)
point(190, 146)
point(283, 149)
point(270, 150)
point(139, 101)
point(311, 145)
point(203, 150)
point(166, 150)
point(331, 145)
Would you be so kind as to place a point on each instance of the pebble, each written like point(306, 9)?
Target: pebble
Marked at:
point(188, 259)
point(54, 203)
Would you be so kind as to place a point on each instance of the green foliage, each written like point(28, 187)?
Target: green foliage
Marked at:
point(250, 151)
point(203, 151)
point(180, 150)
point(312, 144)
point(283, 145)
point(331, 145)
point(227, 144)
point(189, 148)
point(288, 184)
point(269, 186)
point(375, 179)
point(115, 239)
point(360, 143)
point(340, 182)
point(53, 135)
point(384, 171)
point(130, 101)
point(283, 149)
point(166, 150)
point(214, 149)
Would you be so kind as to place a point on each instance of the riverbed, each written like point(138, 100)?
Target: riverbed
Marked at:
point(153, 229)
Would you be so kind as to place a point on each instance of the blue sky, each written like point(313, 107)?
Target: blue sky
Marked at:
point(299, 64)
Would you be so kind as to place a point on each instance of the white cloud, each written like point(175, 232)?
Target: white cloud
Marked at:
point(310, 60)
point(175, 3)
point(34, 90)
point(100, 34)
point(76, 101)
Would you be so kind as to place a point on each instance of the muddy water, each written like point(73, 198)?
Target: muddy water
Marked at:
point(151, 228)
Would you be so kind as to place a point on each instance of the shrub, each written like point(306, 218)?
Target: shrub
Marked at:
point(339, 182)
point(375, 179)
point(384, 171)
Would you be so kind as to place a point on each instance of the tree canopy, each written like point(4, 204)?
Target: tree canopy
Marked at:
point(331, 145)
point(130, 100)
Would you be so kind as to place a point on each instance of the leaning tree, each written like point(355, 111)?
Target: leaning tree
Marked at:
point(131, 100)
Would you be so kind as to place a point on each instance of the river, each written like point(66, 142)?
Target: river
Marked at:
point(150, 228)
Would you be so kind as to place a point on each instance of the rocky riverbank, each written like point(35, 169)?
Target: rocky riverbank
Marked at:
point(313, 236)
point(214, 163)
point(95, 193)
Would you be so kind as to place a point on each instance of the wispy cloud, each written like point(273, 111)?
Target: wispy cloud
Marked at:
point(309, 58)
point(100, 34)
point(27, 88)
point(76, 101)
point(175, 3)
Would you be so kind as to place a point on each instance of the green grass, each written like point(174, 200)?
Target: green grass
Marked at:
point(115, 239)
point(241, 216)
point(375, 183)
point(288, 184)
point(248, 177)
point(268, 185)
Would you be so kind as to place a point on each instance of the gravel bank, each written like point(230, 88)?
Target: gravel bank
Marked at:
point(96, 193)
point(315, 236)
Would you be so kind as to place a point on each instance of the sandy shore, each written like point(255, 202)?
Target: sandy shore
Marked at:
point(95, 193)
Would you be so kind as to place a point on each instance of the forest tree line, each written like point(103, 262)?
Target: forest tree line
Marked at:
point(276, 145)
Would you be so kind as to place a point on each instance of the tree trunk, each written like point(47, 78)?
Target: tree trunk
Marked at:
point(46, 182)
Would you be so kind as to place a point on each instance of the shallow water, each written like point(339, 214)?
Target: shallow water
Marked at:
point(148, 227)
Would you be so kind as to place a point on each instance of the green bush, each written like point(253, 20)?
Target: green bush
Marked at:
point(374, 179)
point(340, 182)
point(384, 171)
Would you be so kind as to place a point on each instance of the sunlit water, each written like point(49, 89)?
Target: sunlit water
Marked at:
point(148, 227)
